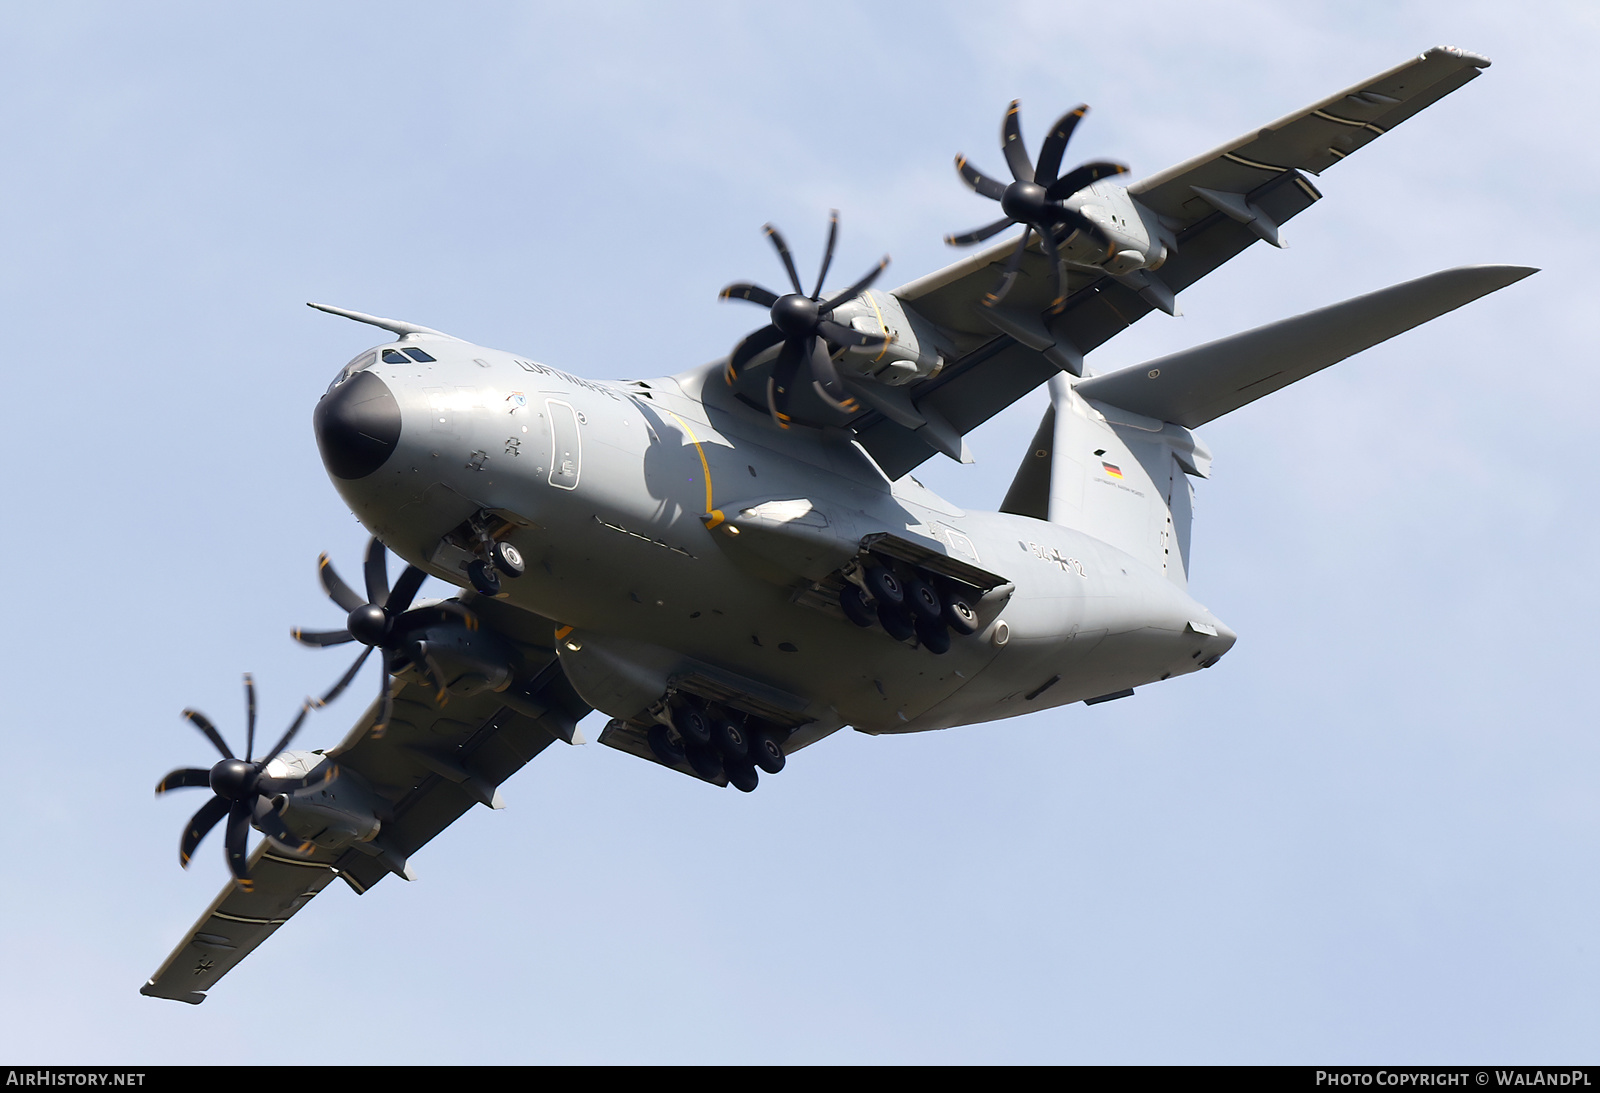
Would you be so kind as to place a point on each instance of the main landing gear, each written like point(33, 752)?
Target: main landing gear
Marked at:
point(717, 742)
point(907, 602)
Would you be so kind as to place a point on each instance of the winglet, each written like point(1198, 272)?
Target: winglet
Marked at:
point(394, 325)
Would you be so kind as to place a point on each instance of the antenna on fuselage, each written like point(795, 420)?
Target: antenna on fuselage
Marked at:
point(394, 325)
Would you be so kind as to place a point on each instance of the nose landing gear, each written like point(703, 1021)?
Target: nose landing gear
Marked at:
point(493, 557)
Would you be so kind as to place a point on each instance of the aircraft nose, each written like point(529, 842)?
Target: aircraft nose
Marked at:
point(357, 425)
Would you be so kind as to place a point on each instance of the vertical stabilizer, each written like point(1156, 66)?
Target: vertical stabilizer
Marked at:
point(1118, 476)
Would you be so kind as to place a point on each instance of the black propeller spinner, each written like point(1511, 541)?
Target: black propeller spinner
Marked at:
point(240, 790)
point(1035, 197)
point(801, 323)
point(381, 621)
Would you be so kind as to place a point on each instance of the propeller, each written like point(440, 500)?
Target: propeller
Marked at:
point(1035, 197)
point(801, 323)
point(382, 621)
point(240, 788)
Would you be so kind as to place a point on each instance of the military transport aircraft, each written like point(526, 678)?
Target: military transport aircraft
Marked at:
point(734, 562)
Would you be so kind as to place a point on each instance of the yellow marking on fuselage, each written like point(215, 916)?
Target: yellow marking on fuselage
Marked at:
point(705, 468)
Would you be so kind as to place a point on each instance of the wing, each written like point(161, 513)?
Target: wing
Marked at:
point(1207, 210)
point(431, 764)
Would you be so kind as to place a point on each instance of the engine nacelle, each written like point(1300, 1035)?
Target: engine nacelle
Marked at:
point(1139, 239)
point(332, 814)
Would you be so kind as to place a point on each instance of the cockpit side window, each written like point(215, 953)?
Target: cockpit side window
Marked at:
point(392, 356)
point(417, 355)
point(366, 360)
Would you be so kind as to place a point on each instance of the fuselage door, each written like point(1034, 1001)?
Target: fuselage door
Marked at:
point(566, 458)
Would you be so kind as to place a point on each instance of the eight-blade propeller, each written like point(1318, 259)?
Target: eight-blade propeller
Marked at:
point(801, 323)
point(382, 621)
point(1035, 197)
point(241, 790)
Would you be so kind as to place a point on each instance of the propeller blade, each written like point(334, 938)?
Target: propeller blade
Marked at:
point(325, 771)
point(405, 589)
point(1078, 222)
point(344, 680)
point(250, 716)
point(783, 252)
point(1008, 276)
point(752, 346)
point(856, 289)
point(839, 334)
point(451, 607)
point(237, 832)
point(825, 379)
point(1058, 300)
point(305, 708)
point(184, 778)
point(979, 235)
point(1011, 143)
point(375, 572)
point(782, 378)
point(827, 253)
point(1079, 177)
point(321, 638)
point(203, 723)
point(421, 658)
point(200, 825)
point(339, 592)
point(979, 181)
point(1056, 143)
point(741, 290)
point(272, 826)
point(385, 705)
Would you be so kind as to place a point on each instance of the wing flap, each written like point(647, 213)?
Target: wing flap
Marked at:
point(1197, 385)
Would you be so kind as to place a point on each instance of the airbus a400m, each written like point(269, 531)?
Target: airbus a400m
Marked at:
point(734, 562)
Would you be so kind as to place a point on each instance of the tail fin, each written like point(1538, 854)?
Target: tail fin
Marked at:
point(1120, 477)
point(1108, 458)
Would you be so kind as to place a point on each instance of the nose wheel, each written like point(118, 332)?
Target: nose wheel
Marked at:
point(495, 559)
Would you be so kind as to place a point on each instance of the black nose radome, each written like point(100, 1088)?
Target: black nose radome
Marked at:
point(358, 425)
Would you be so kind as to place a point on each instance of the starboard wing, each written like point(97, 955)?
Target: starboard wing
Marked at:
point(1251, 186)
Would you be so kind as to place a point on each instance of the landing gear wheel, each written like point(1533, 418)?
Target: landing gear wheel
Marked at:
point(664, 747)
point(483, 578)
point(959, 615)
point(855, 606)
point(884, 586)
point(730, 740)
point(507, 559)
point(767, 752)
point(933, 636)
point(693, 725)
point(743, 777)
point(923, 601)
point(705, 762)
point(895, 622)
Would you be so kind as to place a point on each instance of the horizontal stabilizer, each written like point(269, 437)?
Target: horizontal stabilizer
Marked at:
point(1193, 387)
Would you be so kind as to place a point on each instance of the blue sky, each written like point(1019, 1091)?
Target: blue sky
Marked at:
point(1369, 835)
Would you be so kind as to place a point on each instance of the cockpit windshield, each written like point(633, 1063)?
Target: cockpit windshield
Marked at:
point(392, 355)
